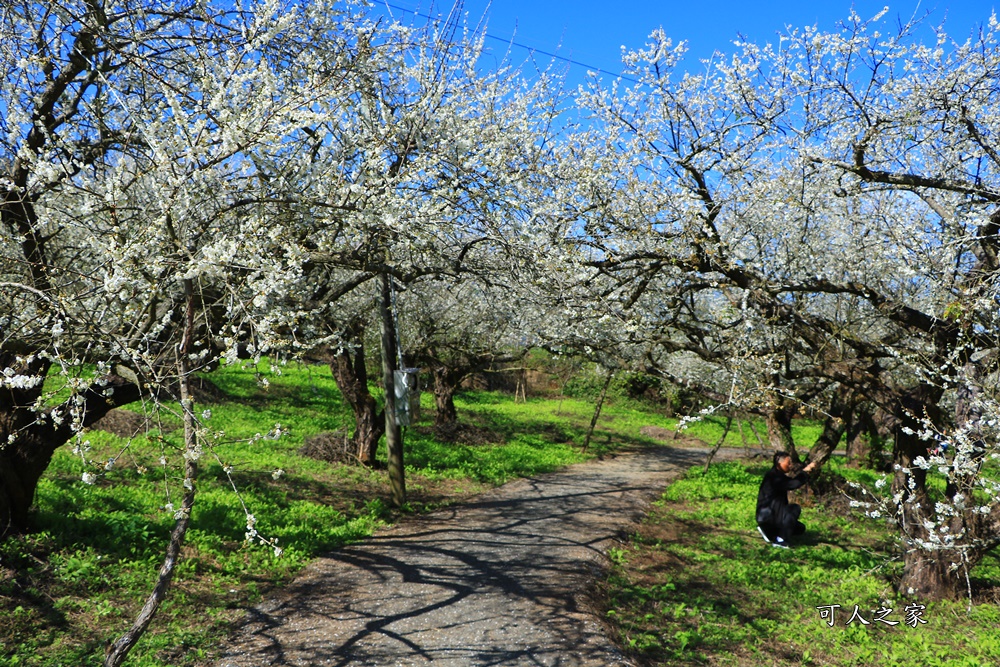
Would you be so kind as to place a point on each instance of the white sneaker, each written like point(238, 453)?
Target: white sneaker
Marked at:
point(778, 542)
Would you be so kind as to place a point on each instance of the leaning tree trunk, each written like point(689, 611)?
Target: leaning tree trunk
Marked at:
point(822, 449)
point(32, 437)
point(597, 411)
point(838, 413)
point(720, 441)
point(119, 650)
point(348, 369)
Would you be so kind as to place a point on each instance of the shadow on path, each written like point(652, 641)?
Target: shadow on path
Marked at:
point(502, 580)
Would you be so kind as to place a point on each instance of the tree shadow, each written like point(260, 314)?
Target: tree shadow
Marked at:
point(503, 580)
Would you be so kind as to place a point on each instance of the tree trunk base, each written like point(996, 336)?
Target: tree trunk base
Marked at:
point(930, 576)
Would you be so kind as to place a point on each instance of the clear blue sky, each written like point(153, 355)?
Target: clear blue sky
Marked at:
point(593, 31)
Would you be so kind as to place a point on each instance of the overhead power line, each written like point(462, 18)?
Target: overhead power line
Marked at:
point(522, 46)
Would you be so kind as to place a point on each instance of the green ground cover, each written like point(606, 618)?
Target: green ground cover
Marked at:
point(698, 586)
point(78, 579)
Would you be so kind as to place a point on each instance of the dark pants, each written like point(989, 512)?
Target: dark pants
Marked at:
point(780, 521)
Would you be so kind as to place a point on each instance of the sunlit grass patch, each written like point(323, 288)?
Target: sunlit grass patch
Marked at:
point(78, 580)
point(697, 585)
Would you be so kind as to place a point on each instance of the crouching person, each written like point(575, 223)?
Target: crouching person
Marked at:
point(777, 520)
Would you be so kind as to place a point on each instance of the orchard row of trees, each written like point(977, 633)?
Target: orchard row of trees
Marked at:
point(186, 184)
point(812, 223)
point(818, 220)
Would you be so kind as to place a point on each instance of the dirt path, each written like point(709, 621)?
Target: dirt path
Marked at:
point(502, 580)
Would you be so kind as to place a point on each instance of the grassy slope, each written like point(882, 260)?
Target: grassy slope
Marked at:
point(77, 581)
point(698, 586)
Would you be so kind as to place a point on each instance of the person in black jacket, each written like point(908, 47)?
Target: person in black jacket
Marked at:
point(777, 520)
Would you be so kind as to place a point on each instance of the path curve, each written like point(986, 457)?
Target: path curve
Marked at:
point(498, 581)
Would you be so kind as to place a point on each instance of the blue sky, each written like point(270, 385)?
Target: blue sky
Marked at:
point(592, 32)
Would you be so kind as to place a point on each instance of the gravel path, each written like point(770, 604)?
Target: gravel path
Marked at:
point(502, 580)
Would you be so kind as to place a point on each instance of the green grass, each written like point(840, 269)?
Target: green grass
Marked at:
point(710, 428)
point(698, 586)
point(79, 578)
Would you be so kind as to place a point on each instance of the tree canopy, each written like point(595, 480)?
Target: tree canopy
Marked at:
point(811, 223)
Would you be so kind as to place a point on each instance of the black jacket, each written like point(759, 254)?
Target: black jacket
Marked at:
point(774, 489)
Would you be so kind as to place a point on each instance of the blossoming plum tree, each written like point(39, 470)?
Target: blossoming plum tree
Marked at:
point(818, 218)
point(131, 219)
point(429, 169)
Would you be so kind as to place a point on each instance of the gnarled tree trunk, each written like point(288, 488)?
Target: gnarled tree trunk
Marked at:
point(943, 572)
point(349, 371)
point(446, 382)
point(929, 574)
point(837, 415)
point(21, 466)
point(29, 438)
